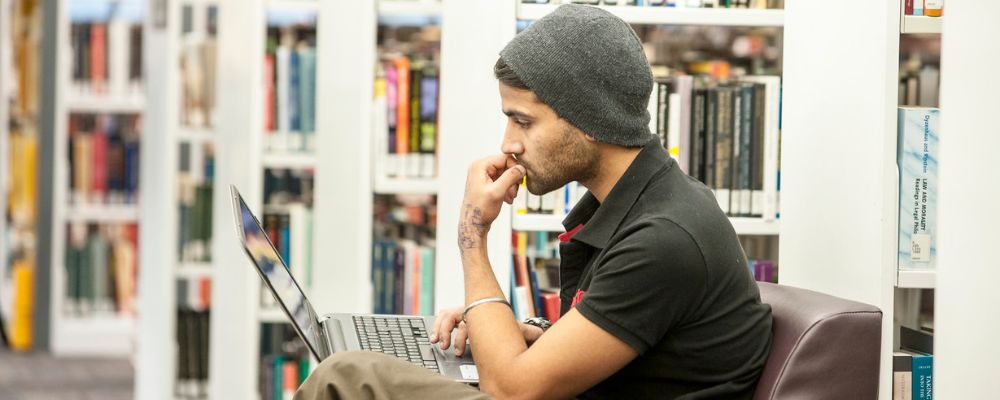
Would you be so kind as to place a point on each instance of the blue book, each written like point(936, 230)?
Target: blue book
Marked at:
point(513, 289)
point(923, 382)
point(131, 170)
point(293, 92)
point(377, 251)
point(917, 158)
point(536, 293)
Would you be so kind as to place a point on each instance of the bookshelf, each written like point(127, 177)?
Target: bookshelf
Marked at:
point(851, 218)
point(673, 16)
point(98, 112)
point(176, 208)
point(910, 24)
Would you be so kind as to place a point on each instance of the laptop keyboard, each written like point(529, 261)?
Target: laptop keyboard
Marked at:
point(401, 337)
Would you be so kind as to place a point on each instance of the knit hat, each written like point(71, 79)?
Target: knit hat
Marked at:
point(589, 66)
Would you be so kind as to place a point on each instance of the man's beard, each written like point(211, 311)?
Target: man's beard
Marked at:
point(568, 159)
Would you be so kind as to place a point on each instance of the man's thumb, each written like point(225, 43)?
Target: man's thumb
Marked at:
point(510, 177)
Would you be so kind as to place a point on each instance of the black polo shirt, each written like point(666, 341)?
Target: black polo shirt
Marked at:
point(659, 266)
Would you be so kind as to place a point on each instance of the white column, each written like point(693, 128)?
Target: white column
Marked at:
point(345, 76)
point(838, 169)
point(234, 337)
point(156, 333)
point(473, 33)
point(967, 296)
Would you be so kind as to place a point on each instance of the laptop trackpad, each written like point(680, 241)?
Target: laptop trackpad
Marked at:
point(462, 368)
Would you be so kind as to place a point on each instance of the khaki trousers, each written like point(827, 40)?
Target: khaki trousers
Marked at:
point(368, 375)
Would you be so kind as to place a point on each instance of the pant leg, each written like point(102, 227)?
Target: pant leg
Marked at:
point(368, 375)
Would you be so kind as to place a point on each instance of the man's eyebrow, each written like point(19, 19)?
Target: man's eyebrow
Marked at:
point(516, 114)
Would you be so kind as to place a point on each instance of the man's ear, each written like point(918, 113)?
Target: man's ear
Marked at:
point(589, 138)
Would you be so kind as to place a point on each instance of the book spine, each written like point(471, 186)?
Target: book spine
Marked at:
point(923, 374)
point(917, 159)
point(402, 105)
point(427, 281)
point(98, 60)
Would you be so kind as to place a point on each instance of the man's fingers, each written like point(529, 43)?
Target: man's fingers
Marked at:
point(443, 326)
point(460, 338)
point(510, 178)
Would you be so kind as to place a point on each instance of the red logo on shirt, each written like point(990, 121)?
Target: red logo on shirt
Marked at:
point(576, 298)
point(565, 236)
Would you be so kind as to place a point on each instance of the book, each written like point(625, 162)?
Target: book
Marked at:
point(923, 376)
point(917, 159)
point(902, 376)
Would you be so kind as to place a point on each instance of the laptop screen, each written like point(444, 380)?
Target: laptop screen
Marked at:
point(274, 271)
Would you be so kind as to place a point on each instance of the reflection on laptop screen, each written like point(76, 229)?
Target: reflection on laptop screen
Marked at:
point(277, 275)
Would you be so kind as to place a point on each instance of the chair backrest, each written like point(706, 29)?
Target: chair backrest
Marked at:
point(824, 347)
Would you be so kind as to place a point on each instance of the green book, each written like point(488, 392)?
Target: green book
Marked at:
point(426, 280)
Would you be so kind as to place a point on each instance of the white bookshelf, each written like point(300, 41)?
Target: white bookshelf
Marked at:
point(127, 104)
point(673, 16)
point(98, 335)
point(112, 213)
point(272, 315)
point(164, 133)
point(384, 185)
point(409, 8)
point(919, 24)
point(94, 333)
point(916, 279)
point(294, 160)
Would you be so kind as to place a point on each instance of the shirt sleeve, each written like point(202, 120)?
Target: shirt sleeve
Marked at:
point(651, 278)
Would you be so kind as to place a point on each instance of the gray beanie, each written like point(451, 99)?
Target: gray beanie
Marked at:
point(588, 65)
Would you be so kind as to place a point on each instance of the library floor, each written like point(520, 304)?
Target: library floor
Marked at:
point(37, 376)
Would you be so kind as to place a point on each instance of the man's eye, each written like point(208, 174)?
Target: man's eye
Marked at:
point(523, 124)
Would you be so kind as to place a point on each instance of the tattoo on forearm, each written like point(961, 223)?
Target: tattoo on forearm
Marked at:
point(471, 227)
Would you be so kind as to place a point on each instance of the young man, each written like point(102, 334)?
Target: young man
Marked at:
point(657, 301)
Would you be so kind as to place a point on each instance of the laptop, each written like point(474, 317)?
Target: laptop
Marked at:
point(402, 336)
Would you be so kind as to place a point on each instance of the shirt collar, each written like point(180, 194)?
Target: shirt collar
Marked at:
point(601, 221)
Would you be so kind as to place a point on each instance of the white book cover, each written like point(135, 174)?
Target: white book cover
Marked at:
point(281, 57)
point(118, 57)
point(674, 125)
point(767, 199)
point(299, 237)
point(917, 159)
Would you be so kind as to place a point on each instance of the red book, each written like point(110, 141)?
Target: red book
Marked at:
point(99, 169)
point(552, 304)
point(290, 375)
point(269, 92)
point(402, 105)
point(909, 7)
point(205, 292)
point(98, 57)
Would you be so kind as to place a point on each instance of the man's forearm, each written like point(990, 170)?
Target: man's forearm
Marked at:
point(494, 334)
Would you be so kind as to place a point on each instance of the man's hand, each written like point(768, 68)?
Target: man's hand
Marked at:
point(451, 319)
point(490, 181)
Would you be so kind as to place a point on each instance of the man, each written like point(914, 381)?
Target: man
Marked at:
point(657, 301)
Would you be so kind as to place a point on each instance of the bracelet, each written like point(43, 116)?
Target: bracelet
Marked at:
point(484, 301)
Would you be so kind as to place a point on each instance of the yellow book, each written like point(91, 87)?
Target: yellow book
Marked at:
point(20, 332)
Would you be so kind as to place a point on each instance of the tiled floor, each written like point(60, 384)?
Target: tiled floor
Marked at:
point(38, 376)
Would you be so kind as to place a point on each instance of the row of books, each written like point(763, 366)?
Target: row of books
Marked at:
point(106, 57)
point(193, 326)
point(762, 4)
point(913, 365)
point(924, 8)
point(195, 183)
point(103, 158)
point(285, 362)
point(101, 266)
point(290, 229)
point(556, 202)
point(21, 36)
point(198, 67)
point(534, 283)
point(405, 114)
point(917, 160)
point(763, 270)
point(726, 134)
point(285, 186)
point(403, 254)
point(406, 95)
point(290, 89)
